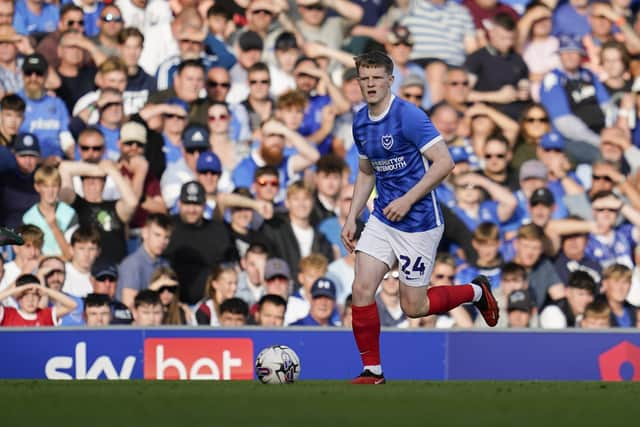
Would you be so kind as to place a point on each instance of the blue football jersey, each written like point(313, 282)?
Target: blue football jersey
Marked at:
point(618, 250)
point(47, 118)
point(394, 143)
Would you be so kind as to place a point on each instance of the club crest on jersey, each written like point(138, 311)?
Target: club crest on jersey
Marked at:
point(387, 141)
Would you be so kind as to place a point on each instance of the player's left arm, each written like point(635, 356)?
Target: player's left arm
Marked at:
point(441, 165)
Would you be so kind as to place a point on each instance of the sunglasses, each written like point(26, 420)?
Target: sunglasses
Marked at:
point(221, 117)
point(444, 276)
point(213, 83)
point(460, 83)
point(262, 11)
point(263, 182)
point(110, 17)
point(173, 289)
point(393, 274)
point(71, 22)
point(96, 148)
point(32, 72)
point(196, 150)
point(412, 96)
point(262, 82)
point(601, 177)
point(537, 119)
point(132, 143)
point(173, 116)
point(106, 279)
point(316, 6)
point(495, 156)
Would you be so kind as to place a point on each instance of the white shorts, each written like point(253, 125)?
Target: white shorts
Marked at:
point(415, 252)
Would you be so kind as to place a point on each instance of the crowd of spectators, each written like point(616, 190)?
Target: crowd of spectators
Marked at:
point(191, 162)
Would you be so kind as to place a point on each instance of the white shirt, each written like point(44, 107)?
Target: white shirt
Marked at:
point(239, 85)
point(76, 283)
point(11, 273)
point(159, 45)
point(280, 81)
point(304, 236)
point(133, 16)
point(297, 308)
point(172, 179)
point(342, 274)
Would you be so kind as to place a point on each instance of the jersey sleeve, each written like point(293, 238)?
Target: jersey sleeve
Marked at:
point(553, 96)
point(418, 129)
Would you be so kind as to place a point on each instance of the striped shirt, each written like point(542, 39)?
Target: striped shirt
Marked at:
point(439, 30)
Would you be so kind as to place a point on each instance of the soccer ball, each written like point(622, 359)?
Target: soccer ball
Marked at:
point(277, 364)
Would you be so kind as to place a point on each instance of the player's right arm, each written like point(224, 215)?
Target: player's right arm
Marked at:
point(365, 181)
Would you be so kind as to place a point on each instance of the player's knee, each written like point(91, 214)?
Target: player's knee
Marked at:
point(361, 293)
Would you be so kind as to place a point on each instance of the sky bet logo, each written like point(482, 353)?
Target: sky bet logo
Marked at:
point(164, 358)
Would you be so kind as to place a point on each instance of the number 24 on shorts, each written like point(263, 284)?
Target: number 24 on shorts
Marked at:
point(418, 265)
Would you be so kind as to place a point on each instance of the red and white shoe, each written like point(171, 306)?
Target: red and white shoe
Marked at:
point(368, 377)
point(487, 303)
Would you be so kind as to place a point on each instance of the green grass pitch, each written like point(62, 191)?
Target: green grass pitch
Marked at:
point(317, 403)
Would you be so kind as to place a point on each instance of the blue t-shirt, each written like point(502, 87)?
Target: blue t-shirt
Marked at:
point(332, 229)
point(75, 317)
point(111, 137)
point(394, 144)
point(312, 121)
point(91, 21)
point(620, 251)
point(26, 22)
point(488, 212)
point(47, 118)
point(243, 174)
point(470, 272)
point(172, 153)
point(308, 321)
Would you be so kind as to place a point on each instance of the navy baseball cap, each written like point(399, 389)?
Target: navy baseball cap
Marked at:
point(34, 63)
point(195, 136)
point(193, 192)
point(209, 162)
point(458, 154)
point(26, 144)
point(552, 141)
point(324, 287)
point(570, 43)
point(519, 300)
point(542, 196)
point(102, 269)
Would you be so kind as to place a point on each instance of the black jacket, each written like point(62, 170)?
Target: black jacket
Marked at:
point(283, 243)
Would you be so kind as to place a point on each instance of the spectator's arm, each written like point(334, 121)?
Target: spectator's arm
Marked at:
point(507, 202)
point(307, 153)
point(461, 317)
point(556, 228)
point(217, 47)
point(349, 10)
point(128, 297)
point(126, 206)
point(84, 43)
point(68, 170)
point(65, 247)
point(314, 50)
point(231, 200)
point(67, 304)
point(632, 215)
point(510, 127)
point(326, 127)
point(571, 127)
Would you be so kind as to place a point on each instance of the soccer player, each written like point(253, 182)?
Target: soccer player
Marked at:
point(404, 156)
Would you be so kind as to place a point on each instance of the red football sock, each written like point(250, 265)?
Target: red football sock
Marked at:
point(366, 329)
point(444, 298)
